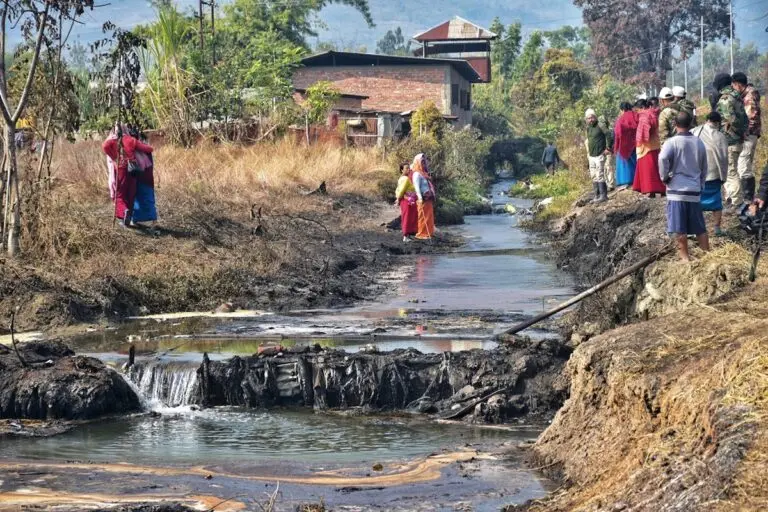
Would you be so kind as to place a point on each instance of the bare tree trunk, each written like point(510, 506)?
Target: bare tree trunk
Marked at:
point(13, 199)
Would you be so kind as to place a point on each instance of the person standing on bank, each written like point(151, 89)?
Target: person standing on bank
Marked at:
point(550, 159)
point(599, 143)
point(668, 114)
point(405, 198)
point(684, 104)
point(125, 182)
point(647, 180)
point(717, 168)
point(751, 99)
point(425, 193)
point(734, 127)
point(683, 168)
point(624, 134)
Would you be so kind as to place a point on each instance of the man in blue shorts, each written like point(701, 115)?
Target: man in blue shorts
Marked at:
point(683, 168)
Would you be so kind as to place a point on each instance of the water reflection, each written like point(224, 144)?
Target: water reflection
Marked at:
point(231, 435)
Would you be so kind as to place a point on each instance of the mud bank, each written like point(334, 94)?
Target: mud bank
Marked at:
point(477, 386)
point(594, 242)
point(53, 384)
point(669, 412)
point(326, 251)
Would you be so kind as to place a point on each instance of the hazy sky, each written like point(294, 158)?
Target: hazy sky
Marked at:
point(346, 26)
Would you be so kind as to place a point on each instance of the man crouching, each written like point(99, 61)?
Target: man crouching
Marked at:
point(683, 168)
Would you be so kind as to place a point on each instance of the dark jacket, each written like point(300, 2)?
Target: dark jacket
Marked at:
point(598, 140)
point(550, 156)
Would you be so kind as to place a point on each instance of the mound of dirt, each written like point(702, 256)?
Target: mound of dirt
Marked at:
point(665, 415)
point(595, 242)
point(52, 383)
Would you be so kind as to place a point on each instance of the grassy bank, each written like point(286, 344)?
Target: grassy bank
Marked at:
point(211, 246)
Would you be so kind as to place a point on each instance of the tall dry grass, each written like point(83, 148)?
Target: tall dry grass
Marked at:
point(231, 174)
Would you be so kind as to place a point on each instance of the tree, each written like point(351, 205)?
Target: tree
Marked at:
point(530, 59)
point(630, 37)
point(394, 43)
point(506, 49)
point(427, 120)
point(40, 22)
point(573, 38)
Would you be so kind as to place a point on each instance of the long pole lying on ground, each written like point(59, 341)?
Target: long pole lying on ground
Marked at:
point(583, 295)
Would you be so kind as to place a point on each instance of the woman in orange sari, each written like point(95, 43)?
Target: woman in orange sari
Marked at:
point(425, 193)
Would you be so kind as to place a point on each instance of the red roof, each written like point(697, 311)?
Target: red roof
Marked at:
point(455, 29)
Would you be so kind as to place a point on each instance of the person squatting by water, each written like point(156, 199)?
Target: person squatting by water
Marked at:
point(131, 177)
point(717, 168)
point(683, 168)
point(550, 159)
point(425, 193)
point(599, 143)
point(406, 198)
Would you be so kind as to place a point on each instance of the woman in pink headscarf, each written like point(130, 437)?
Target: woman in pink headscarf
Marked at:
point(425, 193)
point(647, 179)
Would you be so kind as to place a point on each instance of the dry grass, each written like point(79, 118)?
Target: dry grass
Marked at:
point(207, 248)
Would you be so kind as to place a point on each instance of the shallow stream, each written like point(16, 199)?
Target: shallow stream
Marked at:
point(439, 303)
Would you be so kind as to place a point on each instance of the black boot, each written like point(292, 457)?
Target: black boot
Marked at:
point(748, 189)
point(596, 187)
point(127, 218)
point(603, 189)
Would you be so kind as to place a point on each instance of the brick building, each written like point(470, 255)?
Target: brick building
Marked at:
point(390, 84)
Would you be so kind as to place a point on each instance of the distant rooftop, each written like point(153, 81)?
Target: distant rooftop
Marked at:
point(456, 29)
point(334, 58)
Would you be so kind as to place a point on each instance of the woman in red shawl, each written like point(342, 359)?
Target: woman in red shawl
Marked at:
point(405, 198)
point(647, 179)
point(125, 184)
point(624, 132)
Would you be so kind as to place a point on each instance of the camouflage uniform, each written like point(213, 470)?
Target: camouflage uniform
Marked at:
point(687, 105)
point(734, 126)
point(667, 122)
point(751, 98)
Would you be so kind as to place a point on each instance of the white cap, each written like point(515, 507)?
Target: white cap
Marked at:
point(589, 113)
point(678, 92)
point(665, 93)
point(642, 96)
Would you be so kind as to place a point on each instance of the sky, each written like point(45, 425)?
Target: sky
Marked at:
point(345, 26)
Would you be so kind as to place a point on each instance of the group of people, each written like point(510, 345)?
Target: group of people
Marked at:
point(660, 150)
point(415, 195)
point(130, 176)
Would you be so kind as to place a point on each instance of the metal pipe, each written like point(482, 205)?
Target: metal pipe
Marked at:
point(583, 295)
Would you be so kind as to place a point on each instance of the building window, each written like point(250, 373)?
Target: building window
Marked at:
point(464, 99)
point(454, 94)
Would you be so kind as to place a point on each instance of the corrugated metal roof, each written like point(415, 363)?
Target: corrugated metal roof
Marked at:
point(334, 58)
point(455, 29)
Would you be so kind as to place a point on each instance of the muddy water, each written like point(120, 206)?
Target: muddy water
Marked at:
point(438, 303)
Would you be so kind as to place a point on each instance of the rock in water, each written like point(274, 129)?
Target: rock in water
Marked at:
point(72, 387)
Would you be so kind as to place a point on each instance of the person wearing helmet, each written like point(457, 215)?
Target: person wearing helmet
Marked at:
point(751, 99)
point(669, 111)
point(684, 103)
point(734, 127)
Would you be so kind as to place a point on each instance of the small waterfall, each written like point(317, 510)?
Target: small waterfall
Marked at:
point(170, 384)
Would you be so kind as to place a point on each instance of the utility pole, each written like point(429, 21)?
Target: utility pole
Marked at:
point(685, 73)
point(731, 27)
point(200, 19)
point(213, 30)
point(701, 71)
